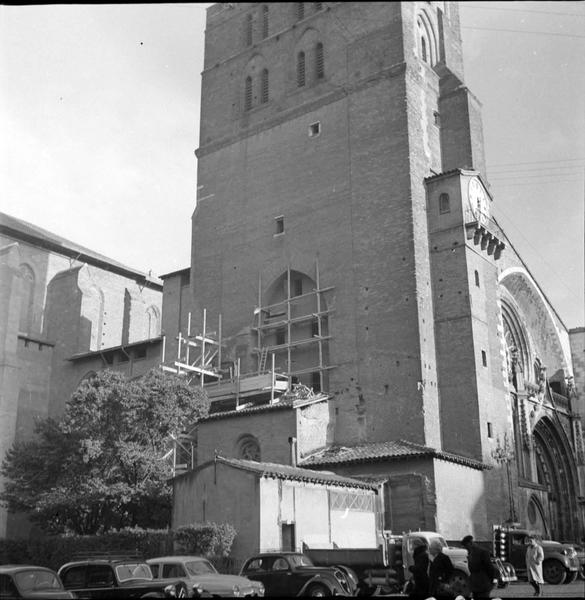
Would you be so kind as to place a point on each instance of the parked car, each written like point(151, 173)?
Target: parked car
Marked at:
point(202, 577)
point(294, 574)
point(118, 577)
point(27, 581)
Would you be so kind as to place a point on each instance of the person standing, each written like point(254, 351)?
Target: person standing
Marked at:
point(420, 572)
point(440, 572)
point(482, 575)
point(534, 558)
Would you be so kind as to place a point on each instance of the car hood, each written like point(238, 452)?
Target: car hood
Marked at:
point(456, 553)
point(213, 582)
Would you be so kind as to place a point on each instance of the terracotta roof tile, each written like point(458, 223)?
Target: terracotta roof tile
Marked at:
point(377, 451)
point(279, 471)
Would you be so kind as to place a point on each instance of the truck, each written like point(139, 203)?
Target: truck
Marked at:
point(386, 569)
point(561, 561)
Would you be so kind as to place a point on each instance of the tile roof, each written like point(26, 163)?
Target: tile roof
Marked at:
point(37, 235)
point(379, 451)
point(282, 404)
point(279, 471)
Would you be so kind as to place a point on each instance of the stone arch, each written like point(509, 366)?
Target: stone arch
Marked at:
point(152, 322)
point(426, 39)
point(251, 81)
point(557, 471)
point(518, 352)
point(248, 448)
point(536, 316)
point(310, 43)
point(27, 297)
point(536, 516)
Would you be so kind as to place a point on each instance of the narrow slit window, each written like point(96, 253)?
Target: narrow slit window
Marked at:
point(281, 336)
point(301, 69)
point(264, 22)
point(319, 62)
point(248, 93)
point(297, 287)
point(484, 358)
point(476, 274)
point(490, 430)
point(314, 129)
point(444, 204)
point(248, 28)
point(264, 87)
point(279, 221)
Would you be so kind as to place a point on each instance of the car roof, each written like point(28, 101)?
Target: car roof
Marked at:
point(4, 569)
point(103, 561)
point(175, 559)
point(277, 553)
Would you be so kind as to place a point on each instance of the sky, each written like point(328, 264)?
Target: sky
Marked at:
point(99, 119)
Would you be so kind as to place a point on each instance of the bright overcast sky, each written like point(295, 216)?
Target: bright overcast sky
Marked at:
point(99, 119)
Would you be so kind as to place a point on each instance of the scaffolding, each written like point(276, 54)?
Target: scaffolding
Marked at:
point(198, 355)
point(279, 315)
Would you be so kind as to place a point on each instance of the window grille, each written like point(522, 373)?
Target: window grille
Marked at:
point(301, 69)
point(248, 29)
point(319, 62)
point(248, 94)
point(300, 11)
point(348, 501)
point(264, 86)
point(264, 22)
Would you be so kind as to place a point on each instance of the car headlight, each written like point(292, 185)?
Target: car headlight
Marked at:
point(170, 590)
point(261, 590)
point(198, 590)
point(236, 591)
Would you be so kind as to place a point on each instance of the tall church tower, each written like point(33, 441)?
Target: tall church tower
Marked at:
point(319, 124)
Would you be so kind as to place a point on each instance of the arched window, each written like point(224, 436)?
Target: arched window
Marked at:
point(264, 22)
point(264, 86)
point(248, 30)
point(248, 448)
point(300, 11)
point(423, 49)
point(427, 48)
point(444, 204)
point(152, 324)
point(248, 93)
point(301, 69)
point(319, 61)
point(26, 298)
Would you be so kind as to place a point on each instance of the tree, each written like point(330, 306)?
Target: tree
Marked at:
point(103, 465)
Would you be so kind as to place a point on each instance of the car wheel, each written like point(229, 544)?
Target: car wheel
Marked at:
point(317, 591)
point(459, 583)
point(571, 576)
point(503, 585)
point(582, 572)
point(553, 572)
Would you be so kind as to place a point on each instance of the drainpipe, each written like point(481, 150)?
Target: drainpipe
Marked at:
point(292, 441)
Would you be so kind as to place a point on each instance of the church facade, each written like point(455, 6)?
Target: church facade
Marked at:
point(343, 228)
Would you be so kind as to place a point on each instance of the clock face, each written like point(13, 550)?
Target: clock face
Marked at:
point(478, 200)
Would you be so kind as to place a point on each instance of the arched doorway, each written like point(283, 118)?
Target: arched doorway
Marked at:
point(556, 470)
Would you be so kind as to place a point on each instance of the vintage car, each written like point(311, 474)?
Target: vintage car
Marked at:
point(27, 581)
point(118, 577)
point(202, 577)
point(294, 574)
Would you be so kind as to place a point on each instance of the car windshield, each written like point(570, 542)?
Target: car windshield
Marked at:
point(300, 560)
point(200, 567)
point(133, 571)
point(37, 580)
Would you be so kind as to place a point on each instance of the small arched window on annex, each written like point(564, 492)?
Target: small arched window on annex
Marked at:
point(152, 323)
point(248, 448)
point(426, 40)
point(27, 295)
point(444, 204)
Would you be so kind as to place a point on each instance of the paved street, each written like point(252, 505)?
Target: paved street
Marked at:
point(523, 590)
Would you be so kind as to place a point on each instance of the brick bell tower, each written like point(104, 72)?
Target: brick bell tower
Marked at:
point(320, 122)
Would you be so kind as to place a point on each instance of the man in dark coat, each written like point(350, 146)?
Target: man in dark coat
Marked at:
point(440, 571)
point(420, 572)
point(482, 575)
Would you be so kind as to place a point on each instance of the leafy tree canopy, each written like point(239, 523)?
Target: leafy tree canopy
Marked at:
point(106, 463)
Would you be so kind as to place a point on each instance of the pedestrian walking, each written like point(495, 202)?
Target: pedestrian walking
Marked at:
point(440, 571)
point(482, 573)
point(534, 558)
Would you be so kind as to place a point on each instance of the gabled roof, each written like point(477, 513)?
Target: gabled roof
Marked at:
point(289, 473)
point(384, 451)
point(27, 232)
